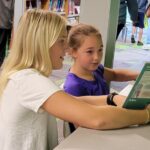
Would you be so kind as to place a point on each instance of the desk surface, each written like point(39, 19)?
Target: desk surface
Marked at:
point(134, 138)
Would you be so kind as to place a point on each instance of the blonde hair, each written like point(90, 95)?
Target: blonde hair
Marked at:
point(37, 31)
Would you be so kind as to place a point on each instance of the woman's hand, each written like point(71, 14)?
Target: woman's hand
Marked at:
point(119, 100)
point(148, 111)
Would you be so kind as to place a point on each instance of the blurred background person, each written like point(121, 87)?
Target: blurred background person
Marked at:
point(6, 21)
point(142, 4)
point(133, 11)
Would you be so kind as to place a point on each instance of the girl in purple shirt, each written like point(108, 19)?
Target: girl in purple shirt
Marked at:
point(87, 76)
point(79, 86)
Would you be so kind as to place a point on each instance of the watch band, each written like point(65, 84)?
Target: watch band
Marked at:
point(110, 99)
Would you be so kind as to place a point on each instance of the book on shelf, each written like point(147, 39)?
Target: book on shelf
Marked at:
point(53, 5)
point(67, 6)
point(139, 96)
point(71, 7)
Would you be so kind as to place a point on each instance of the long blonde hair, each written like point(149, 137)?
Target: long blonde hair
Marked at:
point(37, 31)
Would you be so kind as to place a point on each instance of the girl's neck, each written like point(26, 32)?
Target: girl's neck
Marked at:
point(82, 73)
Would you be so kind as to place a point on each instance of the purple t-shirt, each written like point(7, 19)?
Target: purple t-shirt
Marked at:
point(80, 87)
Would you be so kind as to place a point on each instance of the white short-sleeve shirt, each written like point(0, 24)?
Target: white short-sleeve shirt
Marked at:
point(23, 124)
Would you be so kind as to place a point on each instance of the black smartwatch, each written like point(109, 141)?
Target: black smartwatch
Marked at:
point(110, 99)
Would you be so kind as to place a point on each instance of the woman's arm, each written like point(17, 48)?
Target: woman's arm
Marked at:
point(83, 114)
point(120, 74)
point(101, 100)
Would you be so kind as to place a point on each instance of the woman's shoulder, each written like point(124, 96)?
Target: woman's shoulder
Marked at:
point(23, 73)
point(30, 76)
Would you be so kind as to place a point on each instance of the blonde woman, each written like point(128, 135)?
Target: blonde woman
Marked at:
point(27, 94)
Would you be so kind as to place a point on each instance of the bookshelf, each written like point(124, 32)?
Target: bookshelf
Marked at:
point(66, 8)
point(71, 15)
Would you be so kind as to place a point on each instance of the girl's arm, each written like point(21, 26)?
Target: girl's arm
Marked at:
point(66, 107)
point(119, 74)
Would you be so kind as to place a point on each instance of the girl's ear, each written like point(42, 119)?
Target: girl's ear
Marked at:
point(72, 52)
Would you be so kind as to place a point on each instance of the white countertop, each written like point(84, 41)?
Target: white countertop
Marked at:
point(133, 138)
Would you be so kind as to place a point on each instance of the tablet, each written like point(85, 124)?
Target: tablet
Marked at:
point(139, 96)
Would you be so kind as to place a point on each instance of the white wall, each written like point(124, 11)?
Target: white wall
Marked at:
point(103, 14)
point(18, 11)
